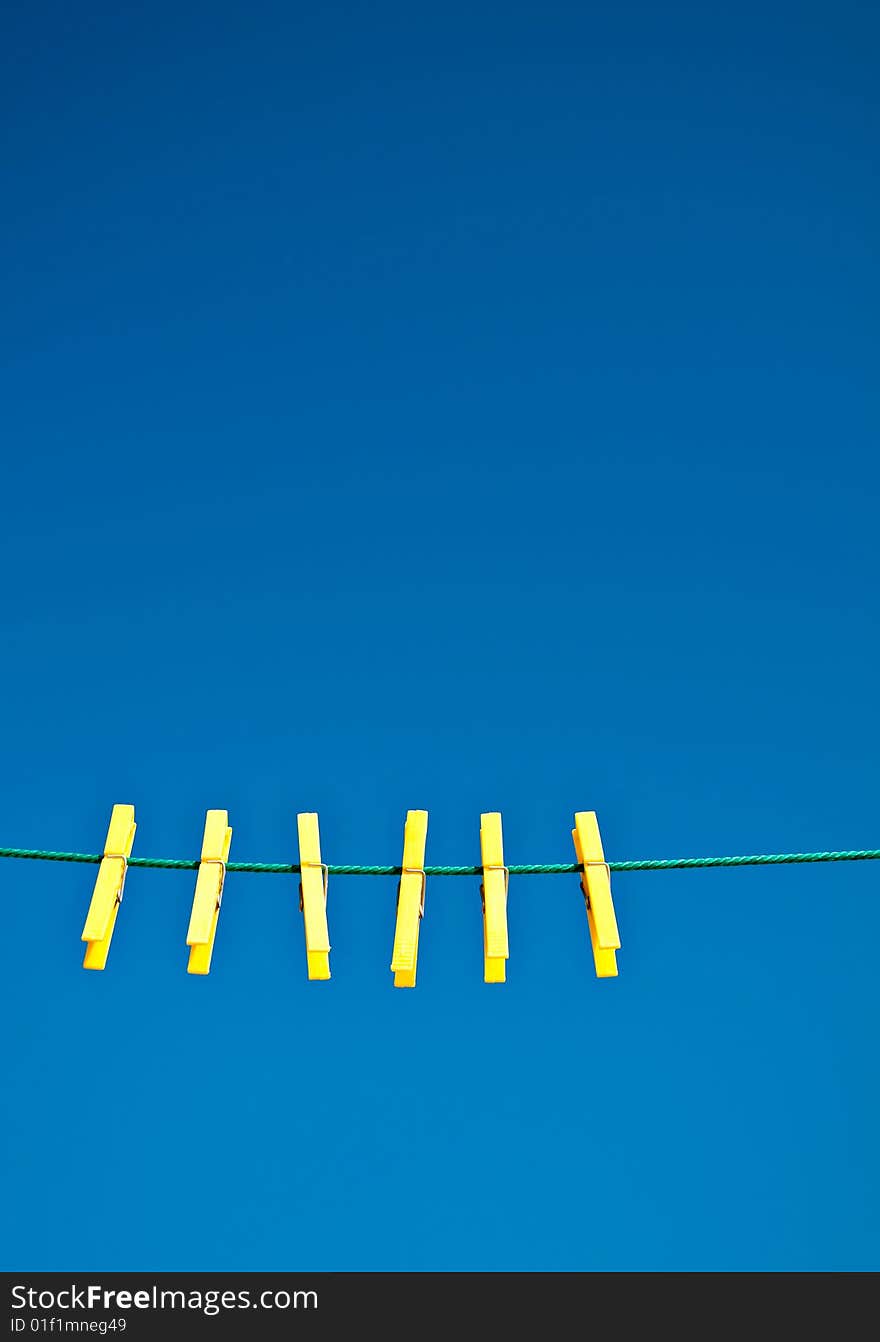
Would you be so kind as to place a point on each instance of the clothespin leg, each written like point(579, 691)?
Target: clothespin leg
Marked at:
point(200, 954)
point(313, 896)
point(410, 900)
point(209, 892)
point(494, 899)
point(596, 885)
point(98, 950)
point(406, 938)
point(604, 958)
point(494, 968)
point(109, 884)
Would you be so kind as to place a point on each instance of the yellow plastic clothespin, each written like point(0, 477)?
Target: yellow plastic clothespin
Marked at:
point(494, 895)
point(209, 892)
point(107, 895)
point(596, 885)
point(313, 896)
point(410, 900)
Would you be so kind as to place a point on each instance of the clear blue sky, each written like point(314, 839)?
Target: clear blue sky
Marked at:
point(468, 407)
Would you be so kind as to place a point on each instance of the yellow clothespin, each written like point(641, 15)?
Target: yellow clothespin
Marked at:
point(107, 895)
point(410, 900)
point(313, 896)
point(209, 892)
point(494, 895)
point(596, 885)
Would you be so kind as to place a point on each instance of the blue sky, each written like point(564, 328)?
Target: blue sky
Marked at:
point(463, 408)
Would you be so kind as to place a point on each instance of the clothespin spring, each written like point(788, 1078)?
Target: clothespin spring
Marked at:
point(593, 863)
point(494, 866)
point(325, 872)
point(216, 862)
point(414, 871)
point(118, 857)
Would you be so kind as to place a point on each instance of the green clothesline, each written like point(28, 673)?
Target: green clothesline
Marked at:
point(516, 869)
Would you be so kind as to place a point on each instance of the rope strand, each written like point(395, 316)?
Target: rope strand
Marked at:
point(519, 869)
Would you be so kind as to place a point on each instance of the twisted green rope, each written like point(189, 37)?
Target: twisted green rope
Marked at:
point(527, 869)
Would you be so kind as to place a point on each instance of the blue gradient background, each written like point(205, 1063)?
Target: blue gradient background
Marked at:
point(460, 407)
